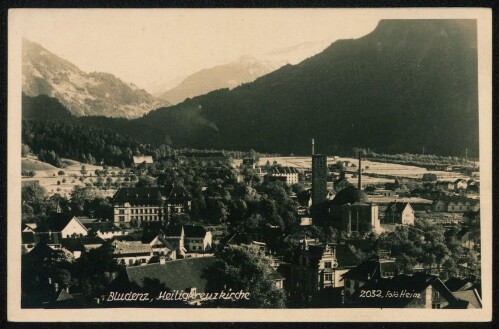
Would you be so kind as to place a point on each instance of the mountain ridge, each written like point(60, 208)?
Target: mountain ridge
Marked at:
point(407, 84)
point(95, 93)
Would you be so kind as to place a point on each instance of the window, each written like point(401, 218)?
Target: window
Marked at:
point(327, 264)
point(328, 277)
point(122, 211)
point(121, 218)
point(435, 306)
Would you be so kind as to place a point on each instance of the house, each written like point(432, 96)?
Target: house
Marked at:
point(316, 267)
point(67, 226)
point(468, 238)
point(30, 240)
point(174, 235)
point(145, 204)
point(418, 290)
point(289, 173)
point(455, 204)
point(465, 290)
point(142, 160)
point(473, 186)
point(131, 253)
point(460, 184)
point(399, 213)
point(29, 227)
point(388, 193)
point(197, 239)
point(161, 247)
point(77, 246)
point(444, 185)
point(42, 251)
point(373, 268)
point(277, 279)
point(104, 229)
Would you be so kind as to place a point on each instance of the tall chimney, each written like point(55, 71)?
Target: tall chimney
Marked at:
point(313, 146)
point(360, 172)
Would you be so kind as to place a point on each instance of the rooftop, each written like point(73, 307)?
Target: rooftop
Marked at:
point(175, 275)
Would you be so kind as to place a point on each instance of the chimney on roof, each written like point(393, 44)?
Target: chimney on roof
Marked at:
point(360, 172)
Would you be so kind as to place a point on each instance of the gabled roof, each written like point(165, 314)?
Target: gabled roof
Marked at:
point(372, 268)
point(344, 255)
point(174, 230)
point(194, 231)
point(470, 296)
point(102, 227)
point(139, 195)
point(175, 275)
point(42, 237)
point(455, 284)
point(275, 276)
point(283, 170)
point(397, 207)
point(58, 223)
point(122, 248)
point(78, 244)
point(41, 251)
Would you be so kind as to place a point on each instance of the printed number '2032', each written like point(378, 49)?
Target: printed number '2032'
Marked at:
point(370, 293)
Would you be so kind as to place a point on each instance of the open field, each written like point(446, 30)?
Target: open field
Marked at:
point(369, 167)
point(48, 176)
point(31, 164)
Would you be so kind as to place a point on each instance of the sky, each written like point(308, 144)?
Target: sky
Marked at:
point(153, 46)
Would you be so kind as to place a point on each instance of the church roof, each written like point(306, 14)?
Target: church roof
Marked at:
point(350, 195)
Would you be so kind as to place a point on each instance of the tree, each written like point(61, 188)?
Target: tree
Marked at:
point(83, 170)
point(146, 182)
point(244, 268)
point(96, 270)
point(25, 150)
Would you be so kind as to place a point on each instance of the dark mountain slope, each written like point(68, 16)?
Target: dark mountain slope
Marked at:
point(407, 84)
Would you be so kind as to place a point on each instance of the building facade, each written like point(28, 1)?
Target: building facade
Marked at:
point(290, 174)
point(399, 213)
point(145, 204)
point(316, 267)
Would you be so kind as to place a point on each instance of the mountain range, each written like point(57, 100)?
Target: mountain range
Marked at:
point(407, 84)
point(244, 69)
point(82, 93)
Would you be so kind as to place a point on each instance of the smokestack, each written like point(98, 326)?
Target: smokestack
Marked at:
point(313, 146)
point(360, 172)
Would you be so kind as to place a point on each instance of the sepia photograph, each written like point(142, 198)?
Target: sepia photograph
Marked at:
point(250, 165)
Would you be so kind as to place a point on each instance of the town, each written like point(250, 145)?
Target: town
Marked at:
point(285, 232)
